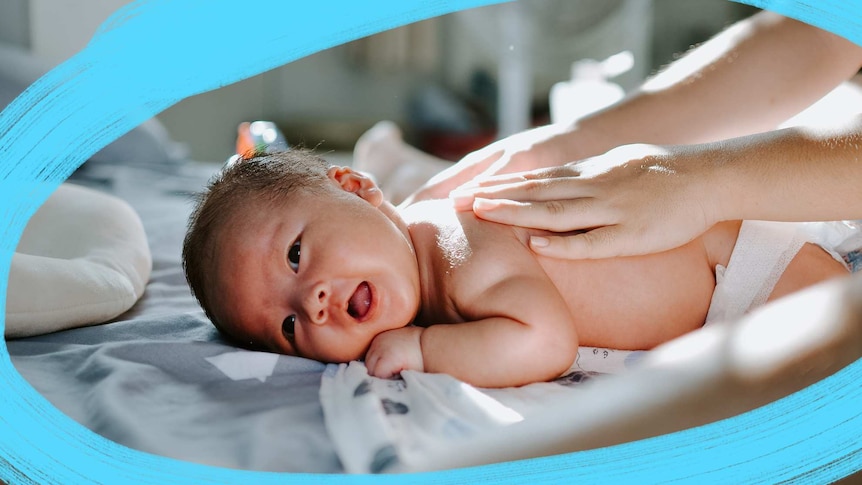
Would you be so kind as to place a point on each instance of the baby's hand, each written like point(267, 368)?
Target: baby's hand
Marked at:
point(394, 351)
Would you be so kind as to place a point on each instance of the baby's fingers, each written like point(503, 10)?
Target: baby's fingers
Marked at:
point(371, 362)
point(385, 368)
point(377, 364)
point(374, 357)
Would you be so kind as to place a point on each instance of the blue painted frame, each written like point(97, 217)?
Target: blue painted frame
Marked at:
point(162, 51)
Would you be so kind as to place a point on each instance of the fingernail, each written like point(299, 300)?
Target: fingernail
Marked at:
point(539, 242)
point(485, 204)
point(461, 199)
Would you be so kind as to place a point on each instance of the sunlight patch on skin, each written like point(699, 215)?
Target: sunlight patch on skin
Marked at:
point(453, 242)
point(685, 69)
point(661, 169)
point(451, 239)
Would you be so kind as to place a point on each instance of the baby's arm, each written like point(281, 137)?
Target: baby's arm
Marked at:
point(530, 338)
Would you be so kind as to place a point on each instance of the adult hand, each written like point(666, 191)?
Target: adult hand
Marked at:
point(635, 199)
point(546, 146)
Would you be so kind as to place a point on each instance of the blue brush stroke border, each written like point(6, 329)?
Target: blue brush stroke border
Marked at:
point(162, 51)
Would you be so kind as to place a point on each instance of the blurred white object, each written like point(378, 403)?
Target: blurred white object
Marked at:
point(534, 42)
point(589, 89)
point(398, 168)
point(514, 70)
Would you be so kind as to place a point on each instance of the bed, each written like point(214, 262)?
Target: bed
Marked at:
point(159, 378)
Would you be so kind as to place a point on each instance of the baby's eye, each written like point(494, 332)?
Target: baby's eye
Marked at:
point(293, 256)
point(287, 328)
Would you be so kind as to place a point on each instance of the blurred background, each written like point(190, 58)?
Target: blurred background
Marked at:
point(452, 84)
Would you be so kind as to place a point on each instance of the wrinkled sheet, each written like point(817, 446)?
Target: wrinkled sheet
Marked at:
point(390, 425)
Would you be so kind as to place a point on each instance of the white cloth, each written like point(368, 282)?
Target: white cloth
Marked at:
point(382, 425)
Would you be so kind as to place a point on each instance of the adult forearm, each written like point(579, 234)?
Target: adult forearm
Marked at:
point(795, 174)
point(643, 198)
point(748, 79)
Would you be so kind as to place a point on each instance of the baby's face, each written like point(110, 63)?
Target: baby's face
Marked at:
point(318, 276)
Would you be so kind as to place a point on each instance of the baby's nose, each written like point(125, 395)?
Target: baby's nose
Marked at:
point(317, 303)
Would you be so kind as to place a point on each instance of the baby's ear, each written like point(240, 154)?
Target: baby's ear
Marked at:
point(356, 182)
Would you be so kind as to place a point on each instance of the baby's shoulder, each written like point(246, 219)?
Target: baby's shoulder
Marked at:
point(468, 256)
point(484, 257)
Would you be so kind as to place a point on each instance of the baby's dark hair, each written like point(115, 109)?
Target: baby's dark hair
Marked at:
point(246, 184)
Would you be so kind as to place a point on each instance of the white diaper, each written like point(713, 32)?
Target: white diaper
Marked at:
point(761, 254)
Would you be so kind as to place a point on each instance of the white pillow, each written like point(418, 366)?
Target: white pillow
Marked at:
point(83, 259)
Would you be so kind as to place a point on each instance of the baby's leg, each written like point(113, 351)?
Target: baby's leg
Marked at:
point(398, 168)
point(810, 266)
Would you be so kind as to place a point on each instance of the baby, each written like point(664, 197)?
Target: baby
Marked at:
point(288, 254)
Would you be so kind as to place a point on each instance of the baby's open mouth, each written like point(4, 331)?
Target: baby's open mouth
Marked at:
point(360, 302)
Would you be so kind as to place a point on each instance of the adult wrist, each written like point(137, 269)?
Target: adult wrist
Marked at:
point(720, 182)
point(576, 141)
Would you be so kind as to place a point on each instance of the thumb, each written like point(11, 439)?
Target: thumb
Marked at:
point(595, 244)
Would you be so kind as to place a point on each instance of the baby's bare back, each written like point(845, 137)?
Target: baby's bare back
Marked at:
point(625, 303)
point(633, 302)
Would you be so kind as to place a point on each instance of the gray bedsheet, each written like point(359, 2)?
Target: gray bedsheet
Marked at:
point(159, 378)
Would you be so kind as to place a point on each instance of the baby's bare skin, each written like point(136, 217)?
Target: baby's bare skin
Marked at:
point(625, 303)
point(338, 274)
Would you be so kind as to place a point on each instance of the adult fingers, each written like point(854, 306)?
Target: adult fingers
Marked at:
point(603, 242)
point(479, 161)
point(509, 178)
point(483, 181)
point(464, 171)
point(526, 190)
point(551, 215)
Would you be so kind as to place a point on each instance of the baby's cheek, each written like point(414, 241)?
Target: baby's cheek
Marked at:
point(339, 349)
